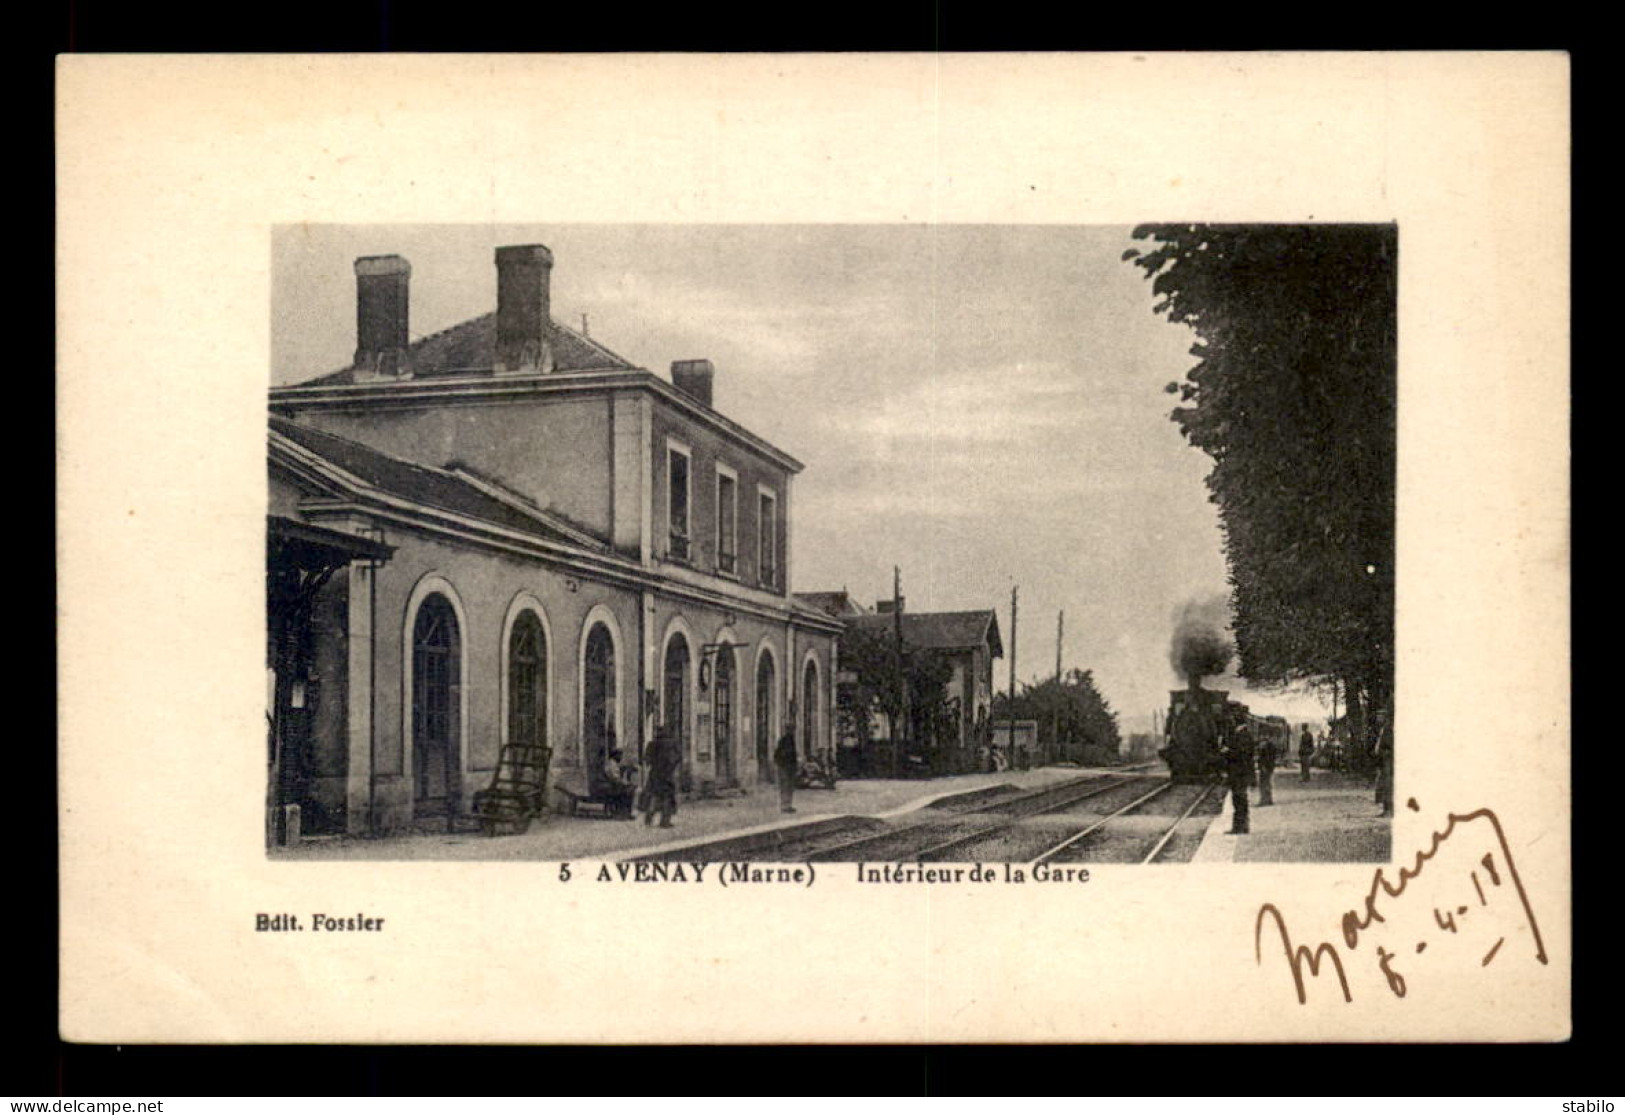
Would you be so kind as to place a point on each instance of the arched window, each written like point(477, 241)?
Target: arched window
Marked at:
point(598, 700)
point(527, 682)
point(809, 708)
point(766, 706)
point(436, 705)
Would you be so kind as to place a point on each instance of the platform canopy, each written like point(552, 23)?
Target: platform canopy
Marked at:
point(291, 543)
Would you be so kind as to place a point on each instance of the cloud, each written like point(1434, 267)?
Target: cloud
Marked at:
point(788, 336)
point(876, 506)
point(983, 406)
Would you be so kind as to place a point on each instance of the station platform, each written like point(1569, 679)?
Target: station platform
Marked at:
point(1332, 818)
point(552, 837)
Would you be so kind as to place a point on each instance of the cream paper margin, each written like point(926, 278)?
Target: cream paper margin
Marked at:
point(172, 171)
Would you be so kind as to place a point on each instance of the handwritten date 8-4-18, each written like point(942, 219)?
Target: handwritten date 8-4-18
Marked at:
point(1474, 906)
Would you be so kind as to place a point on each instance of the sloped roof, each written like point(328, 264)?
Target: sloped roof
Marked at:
point(471, 348)
point(839, 603)
point(433, 487)
point(939, 630)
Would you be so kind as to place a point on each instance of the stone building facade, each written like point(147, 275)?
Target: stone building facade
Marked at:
point(568, 550)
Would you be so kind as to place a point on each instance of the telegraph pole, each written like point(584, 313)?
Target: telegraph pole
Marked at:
point(900, 726)
point(1055, 731)
point(1060, 628)
point(1013, 591)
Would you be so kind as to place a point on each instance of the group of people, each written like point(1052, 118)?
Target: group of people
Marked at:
point(658, 794)
point(1245, 760)
point(1243, 757)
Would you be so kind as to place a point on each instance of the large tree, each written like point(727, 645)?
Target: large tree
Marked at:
point(1293, 395)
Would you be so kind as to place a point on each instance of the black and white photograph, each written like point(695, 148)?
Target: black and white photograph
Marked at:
point(883, 544)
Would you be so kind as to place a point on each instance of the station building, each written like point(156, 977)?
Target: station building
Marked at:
point(966, 642)
point(506, 533)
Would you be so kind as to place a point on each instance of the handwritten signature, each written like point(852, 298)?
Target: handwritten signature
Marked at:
point(1304, 961)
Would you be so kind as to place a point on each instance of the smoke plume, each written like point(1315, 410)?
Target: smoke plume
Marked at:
point(1200, 647)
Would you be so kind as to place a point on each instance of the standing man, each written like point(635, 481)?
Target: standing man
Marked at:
point(1266, 768)
point(1306, 751)
point(1238, 767)
point(660, 785)
point(784, 762)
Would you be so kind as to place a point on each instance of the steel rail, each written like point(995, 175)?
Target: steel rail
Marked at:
point(1055, 796)
point(1100, 824)
point(1156, 849)
point(1091, 786)
point(1051, 807)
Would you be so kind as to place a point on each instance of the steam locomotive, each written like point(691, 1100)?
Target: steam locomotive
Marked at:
point(1200, 723)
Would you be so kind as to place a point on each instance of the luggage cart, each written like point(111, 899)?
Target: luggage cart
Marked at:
point(517, 791)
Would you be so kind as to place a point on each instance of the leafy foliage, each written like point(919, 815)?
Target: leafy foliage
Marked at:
point(870, 656)
point(1293, 396)
point(1070, 713)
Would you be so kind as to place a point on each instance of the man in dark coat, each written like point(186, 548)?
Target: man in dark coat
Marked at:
point(660, 786)
point(1306, 751)
point(1238, 769)
point(784, 764)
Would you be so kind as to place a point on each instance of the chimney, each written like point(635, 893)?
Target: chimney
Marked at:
point(524, 309)
point(694, 379)
point(381, 316)
point(887, 607)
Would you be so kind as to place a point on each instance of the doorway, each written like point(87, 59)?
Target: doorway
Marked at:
point(674, 701)
point(436, 708)
point(766, 699)
point(598, 704)
point(809, 708)
point(527, 683)
point(722, 715)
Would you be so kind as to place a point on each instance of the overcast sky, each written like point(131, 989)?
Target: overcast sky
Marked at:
point(980, 405)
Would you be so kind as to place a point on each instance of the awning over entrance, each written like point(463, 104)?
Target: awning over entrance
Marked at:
point(291, 544)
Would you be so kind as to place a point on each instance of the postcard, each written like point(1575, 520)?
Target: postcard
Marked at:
point(796, 548)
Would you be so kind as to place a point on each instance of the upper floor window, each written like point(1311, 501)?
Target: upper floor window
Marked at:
point(767, 537)
point(677, 499)
point(727, 520)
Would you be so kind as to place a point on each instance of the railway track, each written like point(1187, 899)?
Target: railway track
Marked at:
point(1135, 819)
point(926, 839)
point(1071, 849)
point(1122, 817)
point(1106, 823)
point(857, 838)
